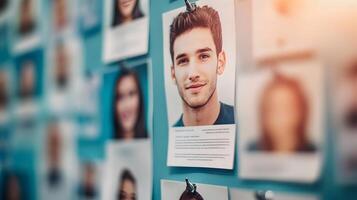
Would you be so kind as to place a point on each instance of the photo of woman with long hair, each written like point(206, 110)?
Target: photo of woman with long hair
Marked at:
point(128, 107)
point(284, 113)
point(126, 11)
point(127, 186)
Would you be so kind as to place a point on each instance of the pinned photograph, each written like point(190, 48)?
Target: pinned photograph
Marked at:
point(27, 25)
point(89, 180)
point(58, 166)
point(199, 70)
point(175, 190)
point(126, 29)
point(281, 122)
point(126, 102)
point(29, 81)
point(64, 59)
point(128, 171)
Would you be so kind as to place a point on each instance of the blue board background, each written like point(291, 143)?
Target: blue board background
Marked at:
point(92, 47)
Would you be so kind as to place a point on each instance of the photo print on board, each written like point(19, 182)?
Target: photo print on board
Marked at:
point(199, 83)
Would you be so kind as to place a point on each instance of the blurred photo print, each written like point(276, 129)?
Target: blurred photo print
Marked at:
point(175, 190)
point(282, 27)
point(343, 71)
point(127, 102)
point(29, 81)
point(89, 181)
point(126, 29)
point(128, 171)
point(58, 166)
point(199, 70)
point(238, 194)
point(281, 122)
point(64, 61)
point(27, 24)
point(14, 185)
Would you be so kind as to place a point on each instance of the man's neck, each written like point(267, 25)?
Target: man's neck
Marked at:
point(205, 115)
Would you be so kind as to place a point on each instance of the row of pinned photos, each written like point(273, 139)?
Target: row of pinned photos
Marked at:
point(188, 191)
point(279, 105)
point(126, 119)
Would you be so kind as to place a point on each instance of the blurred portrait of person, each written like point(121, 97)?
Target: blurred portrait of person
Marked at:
point(27, 22)
point(127, 186)
point(60, 12)
point(4, 96)
point(27, 79)
point(128, 107)
point(54, 154)
point(195, 67)
point(125, 11)
point(12, 188)
point(190, 192)
point(349, 76)
point(284, 112)
point(61, 66)
point(88, 188)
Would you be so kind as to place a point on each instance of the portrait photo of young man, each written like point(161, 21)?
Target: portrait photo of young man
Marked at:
point(198, 61)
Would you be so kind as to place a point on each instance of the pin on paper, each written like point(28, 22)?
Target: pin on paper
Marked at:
point(264, 195)
point(190, 186)
point(190, 7)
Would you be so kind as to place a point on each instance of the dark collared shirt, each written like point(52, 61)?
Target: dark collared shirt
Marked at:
point(226, 116)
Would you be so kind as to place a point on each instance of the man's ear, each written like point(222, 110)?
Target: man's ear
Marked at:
point(173, 77)
point(221, 62)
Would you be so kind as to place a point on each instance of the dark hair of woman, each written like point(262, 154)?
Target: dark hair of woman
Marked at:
point(126, 175)
point(118, 18)
point(140, 125)
point(266, 142)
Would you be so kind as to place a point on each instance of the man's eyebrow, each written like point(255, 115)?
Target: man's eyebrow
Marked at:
point(180, 56)
point(203, 50)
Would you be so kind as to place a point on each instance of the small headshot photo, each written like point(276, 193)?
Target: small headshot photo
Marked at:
point(125, 11)
point(127, 189)
point(60, 12)
point(128, 171)
point(282, 124)
point(175, 190)
point(88, 188)
point(28, 79)
point(13, 186)
point(125, 29)
point(62, 66)
point(27, 17)
point(126, 102)
point(128, 106)
point(284, 113)
point(199, 66)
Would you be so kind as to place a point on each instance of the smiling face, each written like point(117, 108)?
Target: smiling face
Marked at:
point(127, 103)
point(196, 66)
point(127, 190)
point(126, 8)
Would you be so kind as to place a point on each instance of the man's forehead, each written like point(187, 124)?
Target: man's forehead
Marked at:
point(192, 40)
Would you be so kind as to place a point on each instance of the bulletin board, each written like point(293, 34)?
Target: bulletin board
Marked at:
point(92, 45)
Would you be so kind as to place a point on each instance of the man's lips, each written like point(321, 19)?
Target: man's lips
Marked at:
point(126, 3)
point(195, 87)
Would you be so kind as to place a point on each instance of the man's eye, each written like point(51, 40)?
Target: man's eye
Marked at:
point(183, 61)
point(204, 57)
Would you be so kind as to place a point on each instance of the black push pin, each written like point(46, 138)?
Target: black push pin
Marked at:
point(190, 7)
point(190, 187)
point(264, 195)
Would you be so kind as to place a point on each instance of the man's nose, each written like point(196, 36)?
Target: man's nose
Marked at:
point(193, 72)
